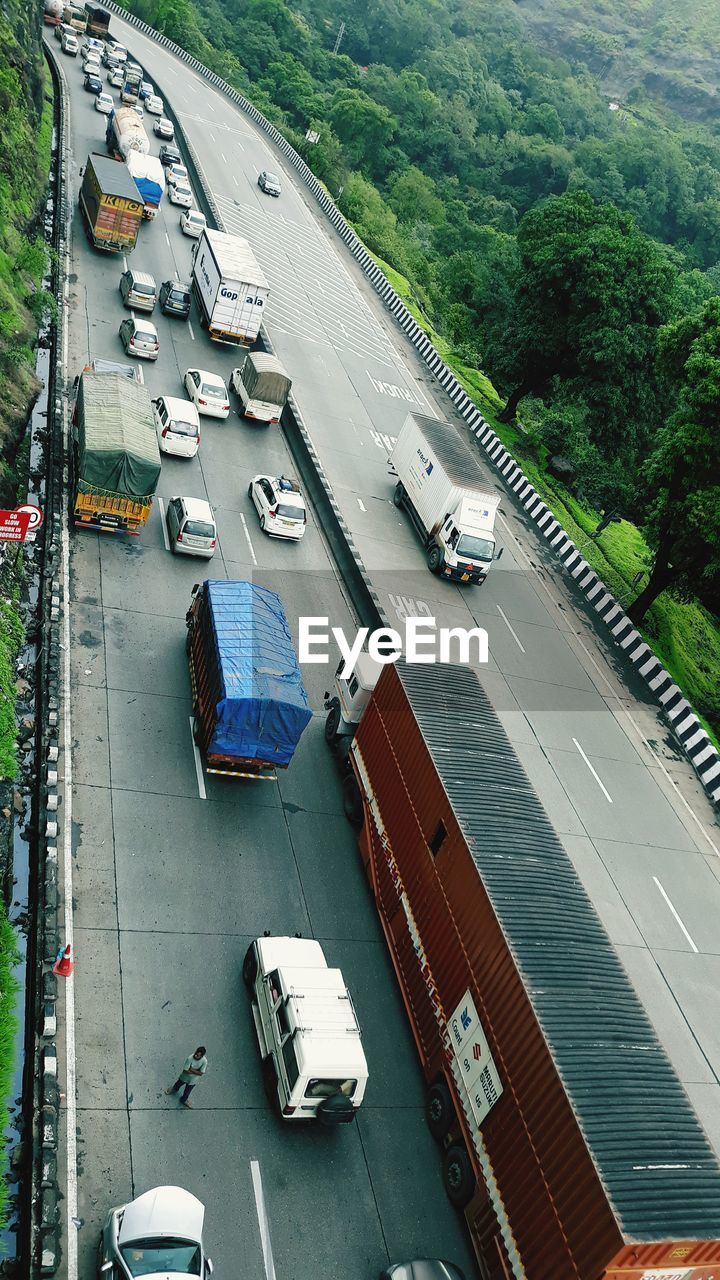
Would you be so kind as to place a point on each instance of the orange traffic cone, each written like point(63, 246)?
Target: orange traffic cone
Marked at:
point(63, 965)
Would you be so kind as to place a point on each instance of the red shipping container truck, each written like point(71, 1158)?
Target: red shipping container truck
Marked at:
point(568, 1139)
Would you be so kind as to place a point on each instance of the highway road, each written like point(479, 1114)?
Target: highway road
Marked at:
point(168, 886)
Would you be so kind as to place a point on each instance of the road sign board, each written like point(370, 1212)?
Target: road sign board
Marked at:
point(14, 525)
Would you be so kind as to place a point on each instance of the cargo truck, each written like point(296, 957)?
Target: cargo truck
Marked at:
point(125, 135)
point(116, 460)
point(75, 18)
point(148, 175)
point(130, 91)
point(441, 486)
point(230, 288)
point(111, 206)
point(567, 1139)
point(98, 21)
point(249, 702)
point(262, 387)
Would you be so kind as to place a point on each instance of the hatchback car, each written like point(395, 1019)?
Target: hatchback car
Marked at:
point(180, 193)
point(139, 338)
point(175, 299)
point(92, 82)
point(164, 128)
point(116, 77)
point(155, 105)
point(104, 102)
point(138, 290)
point(269, 183)
point(169, 155)
point(207, 392)
point(133, 68)
point(178, 426)
point(191, 527)
point(158, 1234)
point(192, 222)
point(280, 506)
point(146, 90)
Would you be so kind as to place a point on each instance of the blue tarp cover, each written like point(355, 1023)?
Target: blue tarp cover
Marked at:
point(264, 707)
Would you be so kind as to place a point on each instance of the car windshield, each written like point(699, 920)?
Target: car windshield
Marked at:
point(290, 513)
point(145, 335)
point(179, 295)
point(179, 428)
point(151, 1257)
point(197, 218)
point(475, 548)
point(182, 190)
point(143, 288)
point(199, 529)
point(214, 389)
point(270, 177)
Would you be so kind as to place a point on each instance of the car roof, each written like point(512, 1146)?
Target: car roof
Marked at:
point(141, 323)
point(178, 408)
point(206, 376)
point(164, 1211)
point(198, 509)
point(141, 277)
point(195, 213)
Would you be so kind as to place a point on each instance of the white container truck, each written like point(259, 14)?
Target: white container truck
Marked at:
point(262, 387)
point(125, 133)
point(230, 288)
point(441, 486)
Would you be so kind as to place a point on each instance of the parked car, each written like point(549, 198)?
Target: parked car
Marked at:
point(70, 44)
point(139, 338)
point(92, 82)
point(146, 90)
point(178, 426)
point(177, 172)
point(155, 105)
point(116, 77)
point(104, 102)
point(280, 506)
point(175, 299)
point(269, 183)
point(207, 392)
point(161, 1230)
point(169, 154)
point(164, 128)
point(138, 290)
point(191, 527)
point(192, 222)
point(180, 193)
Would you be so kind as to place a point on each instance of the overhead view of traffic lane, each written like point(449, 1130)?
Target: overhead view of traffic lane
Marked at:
point(175, 871)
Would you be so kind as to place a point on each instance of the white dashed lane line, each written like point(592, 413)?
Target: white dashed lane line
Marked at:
point(675, 914)
point(594, 773)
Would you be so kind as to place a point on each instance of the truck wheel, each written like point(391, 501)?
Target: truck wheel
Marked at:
point(352, 801)
point(435, 560)
point(439, 1110)
point(249, 967)
point(398, 495)
point(332, 724)
point(458, 1177)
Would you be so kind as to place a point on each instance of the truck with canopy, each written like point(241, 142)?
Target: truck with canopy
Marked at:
point(116, 458)
point(262, 386)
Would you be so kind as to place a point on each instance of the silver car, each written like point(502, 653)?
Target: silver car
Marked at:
point(157, 1235)
point(191, 527)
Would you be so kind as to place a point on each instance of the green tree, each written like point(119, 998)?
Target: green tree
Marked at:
point(363, 127)
point(680, 488)
point(414, 198)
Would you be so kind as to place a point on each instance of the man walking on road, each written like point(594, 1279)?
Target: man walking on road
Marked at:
point(193, 1070)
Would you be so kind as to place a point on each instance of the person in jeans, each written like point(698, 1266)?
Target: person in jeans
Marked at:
point(193, 1070)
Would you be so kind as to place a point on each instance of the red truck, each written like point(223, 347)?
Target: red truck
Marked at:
point(568, 1140)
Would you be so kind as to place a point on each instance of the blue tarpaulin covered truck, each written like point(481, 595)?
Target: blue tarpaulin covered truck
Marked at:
point(249, 702)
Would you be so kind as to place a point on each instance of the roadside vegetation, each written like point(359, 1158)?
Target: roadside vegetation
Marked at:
point(561, 245)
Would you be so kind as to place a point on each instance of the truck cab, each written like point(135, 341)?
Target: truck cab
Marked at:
point(466, 540)
point(351, 695)
point(314, 1067)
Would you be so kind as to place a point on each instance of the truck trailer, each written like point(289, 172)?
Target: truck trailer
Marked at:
point(249, 701)
point(567, 1139)
point(116, 460)
point(230, 288)
point(130, 91)
point(262, 387)
point(148, 175)
point(53, 12)
point(125, 135)
point(111, 206)
point(442, 488)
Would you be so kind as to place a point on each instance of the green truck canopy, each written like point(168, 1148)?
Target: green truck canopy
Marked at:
point(117, 446)
point(265, 378)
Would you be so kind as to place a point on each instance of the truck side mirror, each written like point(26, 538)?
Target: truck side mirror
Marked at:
point(499, 553)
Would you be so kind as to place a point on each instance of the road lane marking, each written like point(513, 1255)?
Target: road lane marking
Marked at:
point(247, 537)
point(198, 761)
point(163, 522)
point(677, 917)
point(513, 633)
point(594, 773)
point(192, 331)
point(361, 505)
point(237, 184)
point(168, 239)
point(262, 1220)
point(224, 157)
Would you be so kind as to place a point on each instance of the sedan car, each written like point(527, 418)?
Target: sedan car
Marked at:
point(191, 530)
point(180, 193)
point(177, 425)
point(155, 105)
point(192, 222)
point(116, 77)
point(177, 172)
point(269, 183)
point(139, 338)
point(169, 155)
point(280, 506)
point(90, 59)
point(175, 299)
point(423, 1269)
point(60, 30)
point(104, 102)
point(158, 1234)
point(164, 128)
point(146, 90)
point(207, 392)
point(92, 82)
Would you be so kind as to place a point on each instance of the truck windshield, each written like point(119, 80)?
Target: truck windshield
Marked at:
point(328, 1088)
point(475, 548)
point(151, 1257)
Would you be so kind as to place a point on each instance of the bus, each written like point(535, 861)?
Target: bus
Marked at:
point(98, 21)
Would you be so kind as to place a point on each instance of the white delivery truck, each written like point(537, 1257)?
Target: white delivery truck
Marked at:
point(441, 486)
point(230, 288)
point(314, 1067)
point(262, 386)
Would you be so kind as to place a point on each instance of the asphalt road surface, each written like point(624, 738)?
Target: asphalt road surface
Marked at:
point(175, 871)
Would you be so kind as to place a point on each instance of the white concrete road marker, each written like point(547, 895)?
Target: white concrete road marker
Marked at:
point(198, 762)
point(675, 914)
point(262, 1221)
point(594, 773)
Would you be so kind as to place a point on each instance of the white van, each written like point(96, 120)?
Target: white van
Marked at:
point(314, 1067)
point(262, 386)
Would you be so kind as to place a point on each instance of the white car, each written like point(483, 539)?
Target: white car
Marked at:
point(192, 223)
point(177, 173)
point(118, 49)
point(164, 128)
point(139, 109)
point(155, 105)
point(104, 102)
point(280, 506)
point(116, 77)
point(178, 426)
point(180, 193)
point(91, 60)
point(158, 1234)
point(207, 392)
